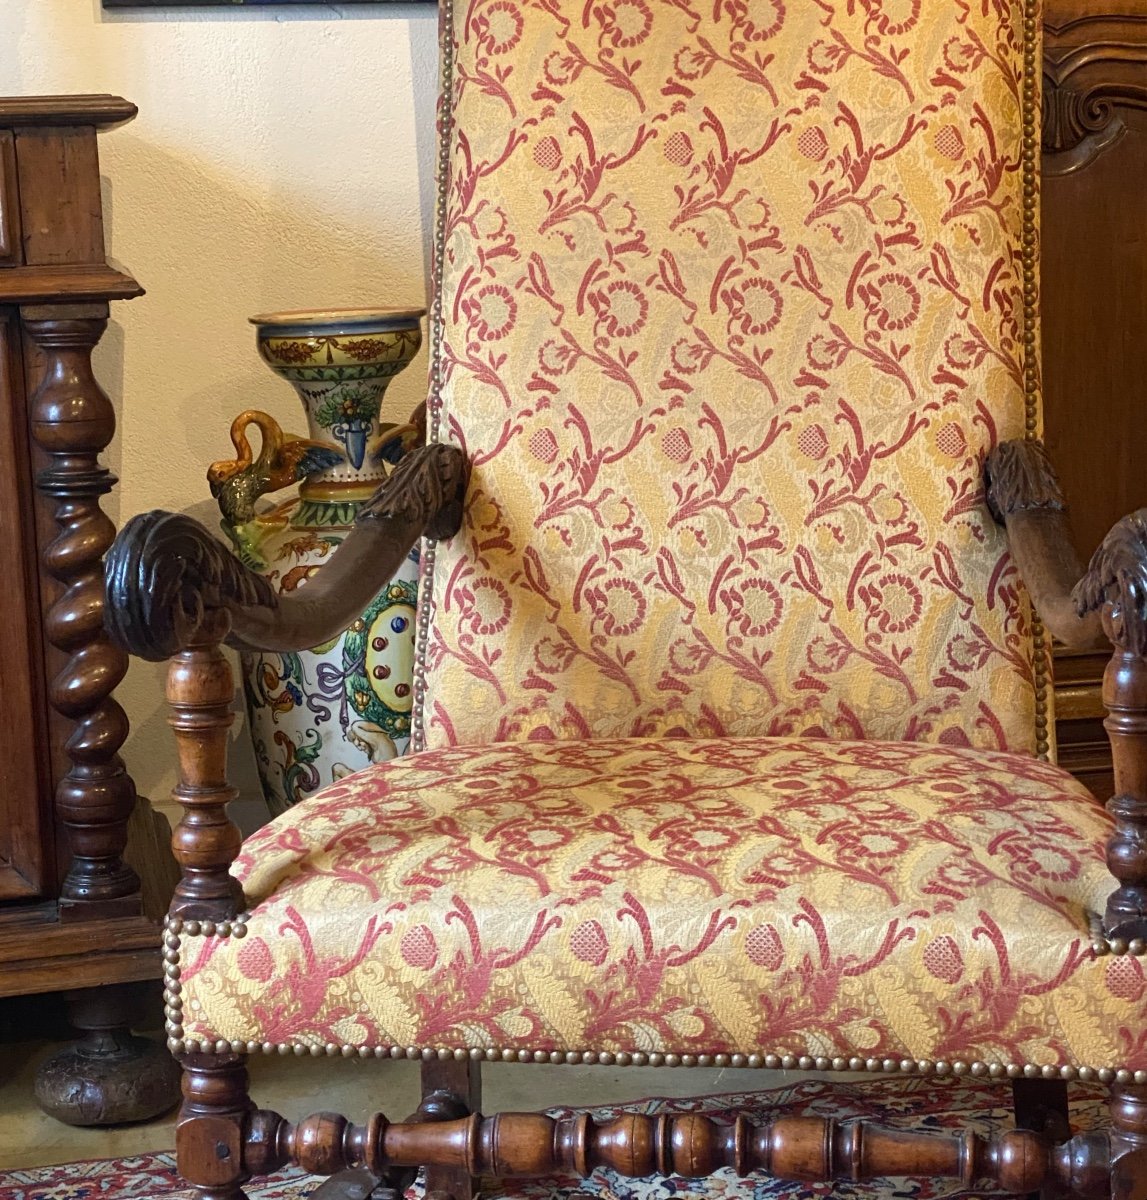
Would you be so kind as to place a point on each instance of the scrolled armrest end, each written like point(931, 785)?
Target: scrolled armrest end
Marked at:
point(169, 584)
point(1024, 495)
point(1116, 584)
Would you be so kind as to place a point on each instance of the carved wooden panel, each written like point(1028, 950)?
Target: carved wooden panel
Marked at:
point(1094, 303)
point(26, 865)
point(10, 250)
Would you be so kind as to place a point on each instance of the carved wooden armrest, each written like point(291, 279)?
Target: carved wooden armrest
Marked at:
point(172, 585)
point(1079, 608)
point(175, 591)
point(1024, 496)
point(1115, 588)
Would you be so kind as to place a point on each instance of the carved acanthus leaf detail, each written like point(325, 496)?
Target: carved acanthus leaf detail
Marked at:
point(427, 485)
point(170, 584)
point(1117, 577)
point(168, 580)
point(1018, 475)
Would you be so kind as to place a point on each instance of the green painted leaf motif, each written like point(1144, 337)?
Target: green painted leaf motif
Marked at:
point(308, 752)
point(348, 404)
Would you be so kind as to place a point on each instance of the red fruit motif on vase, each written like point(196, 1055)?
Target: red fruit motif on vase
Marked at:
point(731, 313)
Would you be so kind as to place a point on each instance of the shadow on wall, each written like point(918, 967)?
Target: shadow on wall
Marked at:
point(189, 363)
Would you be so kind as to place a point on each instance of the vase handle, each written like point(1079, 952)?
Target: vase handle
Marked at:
point(283, 459)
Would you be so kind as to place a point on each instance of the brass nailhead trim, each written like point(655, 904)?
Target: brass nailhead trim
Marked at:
point(1102, 945)
point(1029, 114)
point(177, 1043)
point(442, 184)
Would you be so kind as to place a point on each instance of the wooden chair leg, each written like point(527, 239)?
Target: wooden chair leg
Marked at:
point(1128, 1143)
point(209, 1135)
point(450, 1090)
point(1041, 1105)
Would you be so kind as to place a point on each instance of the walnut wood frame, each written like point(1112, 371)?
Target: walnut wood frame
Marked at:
point(175, 592)
point(1085, 609)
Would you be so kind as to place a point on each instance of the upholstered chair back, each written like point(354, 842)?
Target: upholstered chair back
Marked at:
point(730, 305)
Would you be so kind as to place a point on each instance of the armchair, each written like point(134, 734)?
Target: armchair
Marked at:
point(732, 709)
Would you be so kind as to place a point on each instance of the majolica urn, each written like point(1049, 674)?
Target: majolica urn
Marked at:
point(318, 715)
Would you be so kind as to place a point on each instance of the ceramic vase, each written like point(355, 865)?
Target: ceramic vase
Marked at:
point(324, 713)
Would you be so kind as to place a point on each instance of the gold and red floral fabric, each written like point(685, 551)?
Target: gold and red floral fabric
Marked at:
point(730, 310)
point(683, 896)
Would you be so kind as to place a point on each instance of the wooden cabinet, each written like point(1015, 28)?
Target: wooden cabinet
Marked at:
point(72, 912)
point(1094, 304)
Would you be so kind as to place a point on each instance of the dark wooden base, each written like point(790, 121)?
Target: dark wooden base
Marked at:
point(223, 1141)
point(109, 1076)
point(42, 952)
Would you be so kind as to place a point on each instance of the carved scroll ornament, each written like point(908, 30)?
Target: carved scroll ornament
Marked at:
point(1083, 92)
point(171, 585)
point(1117, 577)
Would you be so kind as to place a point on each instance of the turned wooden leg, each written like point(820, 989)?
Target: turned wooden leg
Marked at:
point(201, 691)
point(109, 1076)
point(1114, 586)
point(450, 1090)
point(1041, 1106)
point(1125, 695)
point(213, 1124)
point(1128, 1143)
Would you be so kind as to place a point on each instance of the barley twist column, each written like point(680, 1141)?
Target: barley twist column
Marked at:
point(72, 423)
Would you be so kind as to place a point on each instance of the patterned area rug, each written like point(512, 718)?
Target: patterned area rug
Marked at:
point(905, 1103)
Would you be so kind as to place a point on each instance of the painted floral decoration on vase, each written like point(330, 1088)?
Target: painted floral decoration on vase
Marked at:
point(321, 714)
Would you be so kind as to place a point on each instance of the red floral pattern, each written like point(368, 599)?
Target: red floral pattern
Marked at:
point(693, 896)
point(730, 312)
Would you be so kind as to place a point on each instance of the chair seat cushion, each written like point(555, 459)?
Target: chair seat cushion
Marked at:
point(648, 898)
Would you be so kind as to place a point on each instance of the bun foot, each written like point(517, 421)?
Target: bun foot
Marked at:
point(109, 1076)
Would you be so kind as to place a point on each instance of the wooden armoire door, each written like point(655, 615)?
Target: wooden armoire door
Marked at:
point(1094, 305)
point(27, 859)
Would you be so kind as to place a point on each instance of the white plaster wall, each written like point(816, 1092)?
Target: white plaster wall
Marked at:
point(282, 158)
